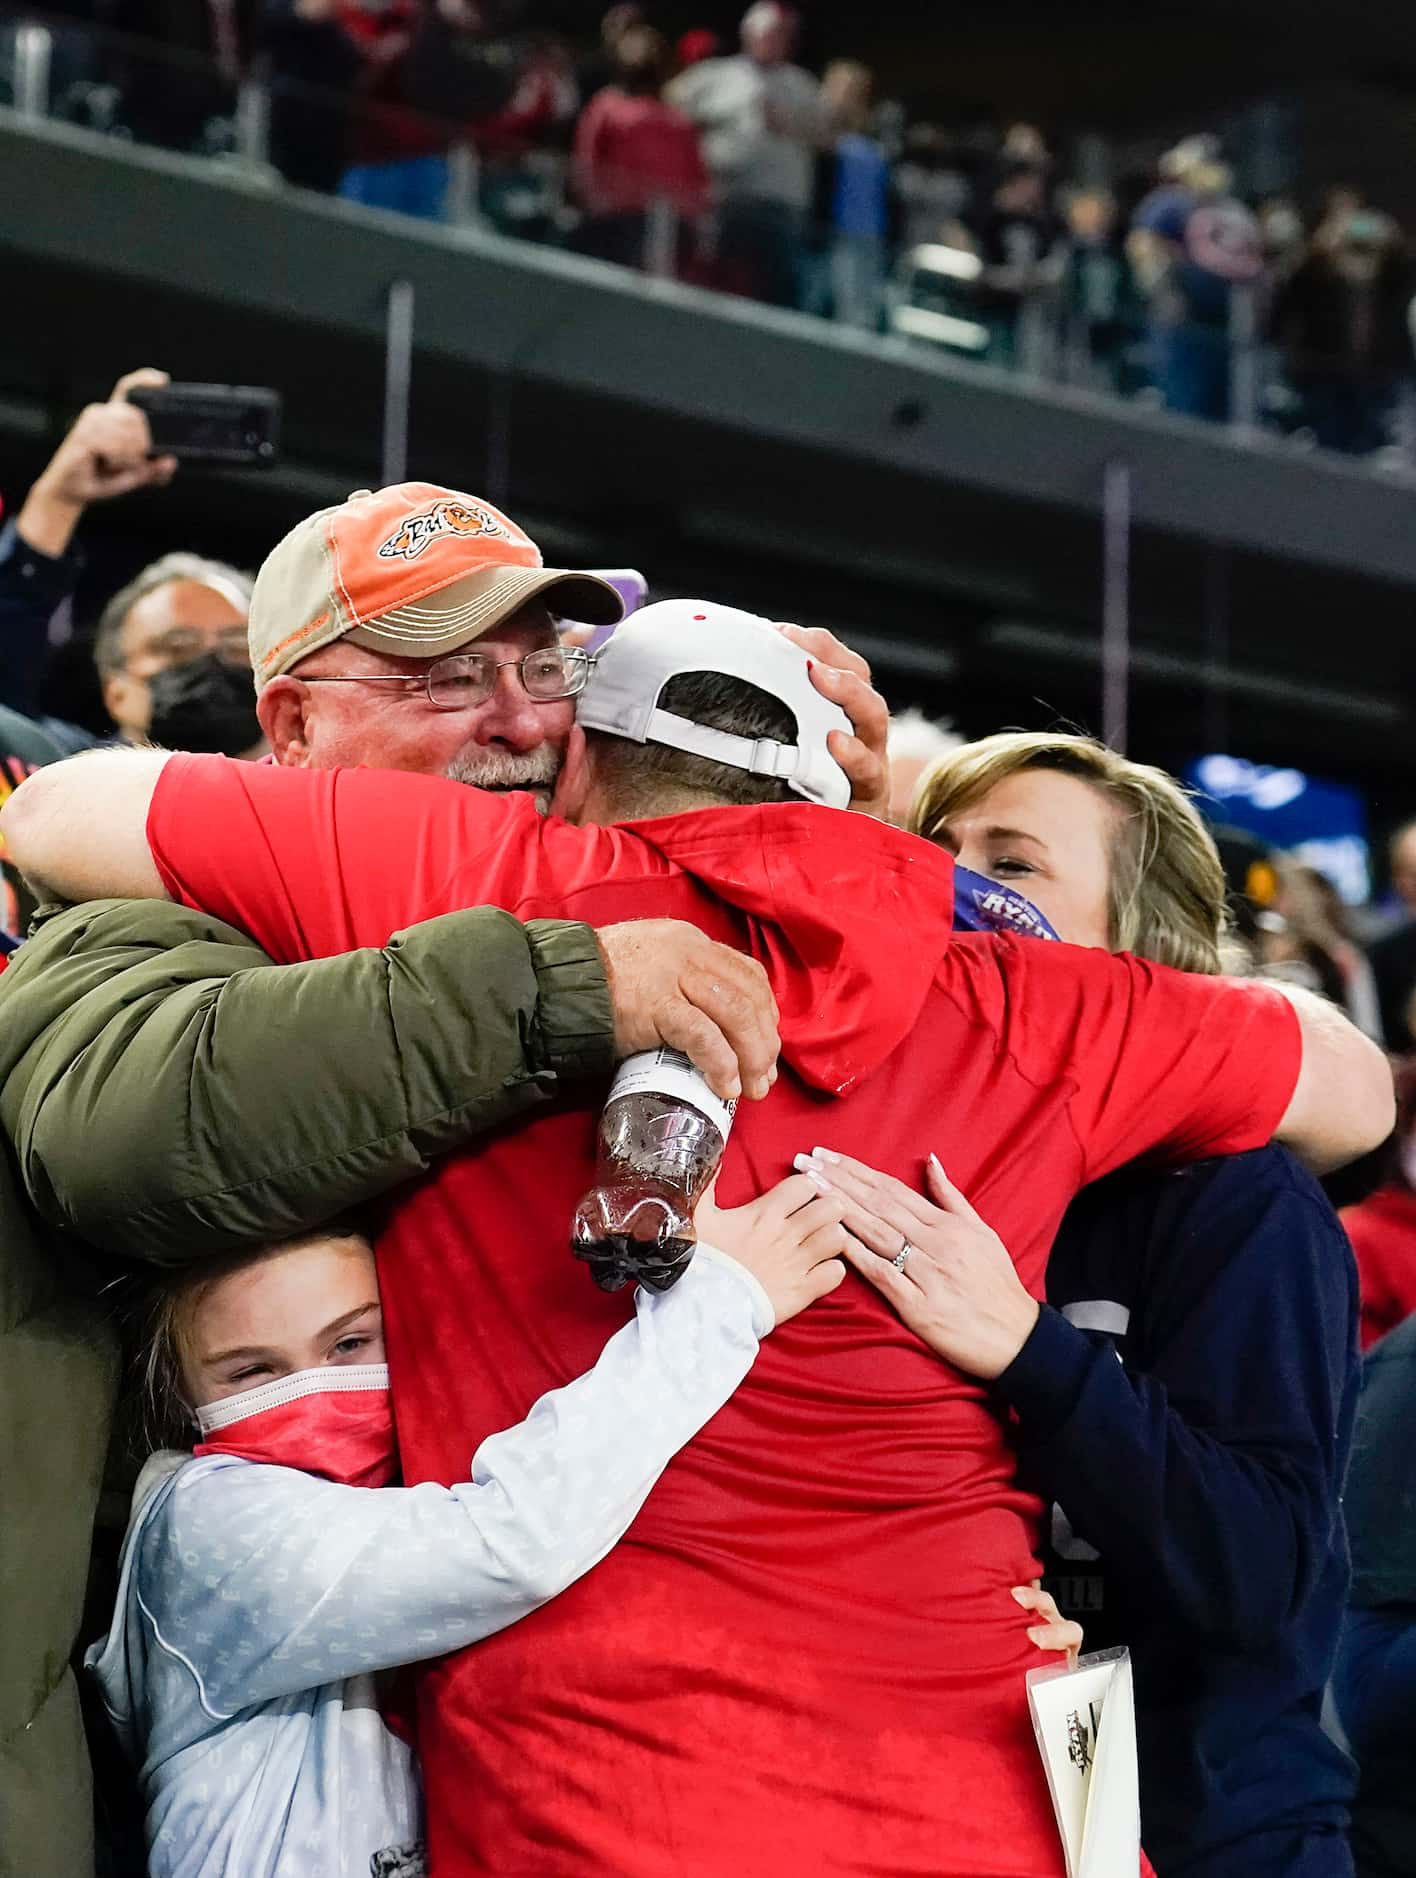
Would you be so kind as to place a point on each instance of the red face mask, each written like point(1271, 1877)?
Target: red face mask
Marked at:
point(336, 1421)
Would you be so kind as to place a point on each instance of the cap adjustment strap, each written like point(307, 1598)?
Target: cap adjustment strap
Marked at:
point(760, 756)
point(773, 759)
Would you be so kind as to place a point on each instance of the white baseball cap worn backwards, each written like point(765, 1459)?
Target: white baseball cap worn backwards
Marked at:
point(673, 637)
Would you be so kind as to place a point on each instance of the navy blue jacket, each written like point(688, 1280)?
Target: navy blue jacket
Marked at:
point(1205, 1467)
point(32, 586)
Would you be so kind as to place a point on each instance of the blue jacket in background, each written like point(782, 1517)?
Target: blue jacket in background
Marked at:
point(1200, 1476)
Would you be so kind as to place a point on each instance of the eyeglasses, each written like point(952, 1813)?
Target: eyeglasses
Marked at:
point(182, 644)
point(469, 678)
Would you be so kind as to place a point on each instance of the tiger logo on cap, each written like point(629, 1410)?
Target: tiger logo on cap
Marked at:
point(416, 532)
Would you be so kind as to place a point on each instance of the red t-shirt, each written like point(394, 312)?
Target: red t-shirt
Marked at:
point(1382, 1229)
point(803, 1657)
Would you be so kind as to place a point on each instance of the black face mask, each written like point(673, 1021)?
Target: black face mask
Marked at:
point(205, 704)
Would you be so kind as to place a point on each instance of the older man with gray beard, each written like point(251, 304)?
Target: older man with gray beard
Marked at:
point(466, 680)
point(469, 678)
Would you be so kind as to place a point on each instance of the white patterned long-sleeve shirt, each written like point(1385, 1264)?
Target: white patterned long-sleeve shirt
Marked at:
point(257, 1604)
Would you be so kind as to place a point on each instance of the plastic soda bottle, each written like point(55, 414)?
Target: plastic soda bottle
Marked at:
point(662, 1137)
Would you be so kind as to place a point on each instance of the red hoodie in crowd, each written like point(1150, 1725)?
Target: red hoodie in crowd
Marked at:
point(803, 1657)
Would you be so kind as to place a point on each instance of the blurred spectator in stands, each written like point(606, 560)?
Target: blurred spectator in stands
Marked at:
point(1402, 855)
point(105, 454)
point(1382, 1227)
point(457, 70)
point(428, 82)
point(1018, 237)
point(1171, 197)
point(1310, 942)
point(1099, 304)
point(513, 100)
point(1374, 1682)
point(930, 184)
point(762, 124)
point(1393, 956)
point(172, 655)
point(1283, 237)
point(399, 154)
point(1340, 321)
point(853, 209)
point(177, 68)
point(1192, 246)
point(314, 64)
point(525, 145)
point(171, 647)
point(541, 110)
point(1025, 143)
point(1251, 892)
point(696, 45)
point(632, 150)
point(601, 67)
point(915, 744)
point(1337, 204)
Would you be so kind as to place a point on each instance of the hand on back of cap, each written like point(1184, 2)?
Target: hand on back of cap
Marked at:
point(843, 676)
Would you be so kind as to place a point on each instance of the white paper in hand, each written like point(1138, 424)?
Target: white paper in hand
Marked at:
point(1085, 1721)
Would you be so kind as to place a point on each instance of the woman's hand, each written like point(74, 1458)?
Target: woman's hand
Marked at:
point(843, 677)
point(957, 1288)
point(790, 1238)
point(1053, 1631)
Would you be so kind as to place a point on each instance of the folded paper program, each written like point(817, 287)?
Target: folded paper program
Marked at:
point(1085, 1721)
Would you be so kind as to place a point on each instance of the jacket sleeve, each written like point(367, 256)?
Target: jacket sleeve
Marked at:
point(32, 586)
point(270, 1582)
point(1212, 1478)
point(172, 1093)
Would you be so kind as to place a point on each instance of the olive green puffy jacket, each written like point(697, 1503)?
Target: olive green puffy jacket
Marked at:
point(167, 1092)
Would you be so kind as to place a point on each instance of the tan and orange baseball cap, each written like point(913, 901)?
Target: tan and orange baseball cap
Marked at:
point(414, 570)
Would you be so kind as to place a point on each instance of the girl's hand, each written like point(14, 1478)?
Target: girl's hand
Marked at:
point(957, 1289)
point(1054, 1631)
point(790, 1238)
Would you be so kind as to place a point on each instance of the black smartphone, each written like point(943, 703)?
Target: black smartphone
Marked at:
point(234, 425)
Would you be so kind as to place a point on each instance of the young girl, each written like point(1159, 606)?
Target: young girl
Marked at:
point(269, 1576)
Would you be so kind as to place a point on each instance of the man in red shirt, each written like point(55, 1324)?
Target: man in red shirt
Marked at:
point(803, 1657)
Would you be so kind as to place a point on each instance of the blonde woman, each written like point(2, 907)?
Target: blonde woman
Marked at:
point(1194, 1482)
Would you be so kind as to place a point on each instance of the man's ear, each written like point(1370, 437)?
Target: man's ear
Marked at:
point(281, 710)
point(572, 788)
